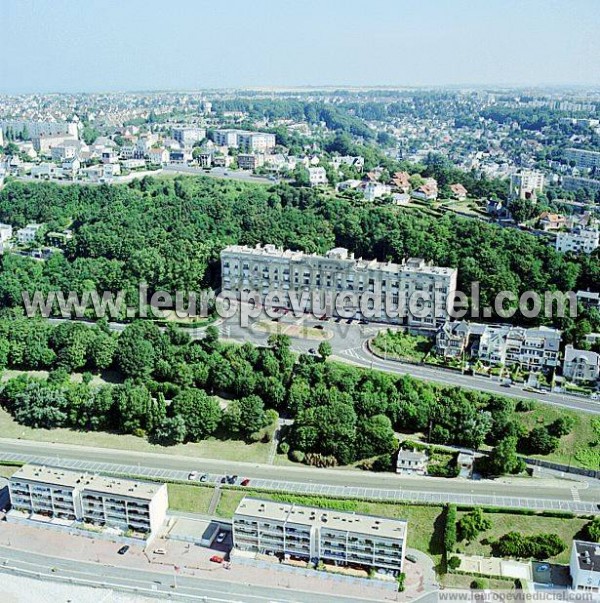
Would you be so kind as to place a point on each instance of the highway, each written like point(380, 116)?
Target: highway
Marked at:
point(152, 584)
point(534, 493)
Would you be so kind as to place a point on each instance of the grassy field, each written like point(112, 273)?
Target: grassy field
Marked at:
point(211, 448)
point(396, 344)
point(583, 439)
point(193, 499)
point(528, 525)
point(7, 470)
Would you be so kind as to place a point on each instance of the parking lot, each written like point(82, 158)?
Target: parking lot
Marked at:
point(313, 488)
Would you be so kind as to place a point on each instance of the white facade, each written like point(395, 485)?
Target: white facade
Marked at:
point(27, 234)
point(411, 462)
point(415, 290)
point(114, 502)
point(335, 537)
point(585, 566)
point(317, 176)
point(581, 365)
point(525, 184)
point(187, 136)
point(584, 240)
point(583, 159)
point(375, 190)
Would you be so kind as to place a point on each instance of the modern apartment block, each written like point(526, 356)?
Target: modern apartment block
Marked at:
point(580, 240)
point(585, 566)
point(583, 159)
point(525, 184)
point(308, 533)
point(413, 292)
point(97, 499)
point(247, 142)
point(500, 344)
point(187, 136)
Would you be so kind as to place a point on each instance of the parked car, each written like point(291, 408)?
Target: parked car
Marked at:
point(204, 477)
point(216, 559)
point(193, 475)
point(245, 482)
point(224, 479)
point(312, 351)
point(221, 537)
point(410, 558)
point(159, 552)
point(123, 549)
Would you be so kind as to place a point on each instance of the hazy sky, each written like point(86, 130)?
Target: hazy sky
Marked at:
point(102, 45)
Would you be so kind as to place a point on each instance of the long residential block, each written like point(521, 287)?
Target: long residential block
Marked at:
point(108, 501)
point(310, 533)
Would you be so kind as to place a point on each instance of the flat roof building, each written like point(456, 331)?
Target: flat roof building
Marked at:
point(311, 533)
point(585, 566)
point(413, 292)
point(111, 501)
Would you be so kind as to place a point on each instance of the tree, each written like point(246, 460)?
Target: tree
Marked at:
point(171, 431)
point(41, 406)
point(450, 528)
point(245, 416)
point(132, 405)
point(593, 529)
point(135, 354)
point(503, 460)
point(472, 524)
point(375, 436)
point(561, 426)
point(539, 441)
point(325, 350)
point(200, 412)
point(453, 563)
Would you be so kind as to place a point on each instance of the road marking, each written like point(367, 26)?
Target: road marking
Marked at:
point(576, 495)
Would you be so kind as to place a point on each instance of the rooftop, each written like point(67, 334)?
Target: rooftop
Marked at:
point(588, 555)
point(335, 520)
point(96, 483)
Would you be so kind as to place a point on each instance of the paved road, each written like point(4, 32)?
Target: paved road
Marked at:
point(546, 494)
point(149, 583)
point(349, 345)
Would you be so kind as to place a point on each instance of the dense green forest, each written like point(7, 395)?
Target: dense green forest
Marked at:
point(342, 414)
point(168, 233)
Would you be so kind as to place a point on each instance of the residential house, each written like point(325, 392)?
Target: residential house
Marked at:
point(549, 221)
point(158, 156)
point(411, 462)
point(465, 462)
point(376, 190)
point(401, 181)
point(251, 161)
point(581, 365)
point(452, 338)
point(458, 191)
point(27, 234)
point(317, 176)
point(427, 191)
point(589, 299)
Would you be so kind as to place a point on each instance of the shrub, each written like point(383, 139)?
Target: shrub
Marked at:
point(400, 578)
point(297, 456)
point(450, 528)
point(540, 546)
point(453, 563)
point(479, 584)
point(284, 448)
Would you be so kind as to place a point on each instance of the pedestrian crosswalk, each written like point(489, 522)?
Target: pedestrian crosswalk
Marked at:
point(575, 494)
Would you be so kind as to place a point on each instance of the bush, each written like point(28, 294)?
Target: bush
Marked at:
point(479, 584)
point(525, 405)
point(540, 546)
point(320, 460)
point(284, 448)
point(297, 456)
point(450, 528)
point(453, 563)
point(400, 578)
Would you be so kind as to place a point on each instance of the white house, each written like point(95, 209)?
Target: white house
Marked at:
point(27, 234)
point(375, 190)
point(411, 462)
point(317, 176)
point(581, 365)
point(158, 156)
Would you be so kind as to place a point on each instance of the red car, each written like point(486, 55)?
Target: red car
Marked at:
point(245, 482)
point(216, 559)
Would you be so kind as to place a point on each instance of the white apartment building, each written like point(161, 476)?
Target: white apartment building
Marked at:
point(40, 128)
point(226, 138)
point(580, 240)
point(525, 184)
point(113, 502)
point(336, 537)
point(585, 566)
point(256, 142)
point(43, 144)
point(28, 233)
point(317, 176)
point(187, 136)
point(412, 292)
point(6, 233)
point(581, 365)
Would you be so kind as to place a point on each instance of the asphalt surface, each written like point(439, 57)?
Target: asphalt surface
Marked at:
point(149, 583)
point(539, 494)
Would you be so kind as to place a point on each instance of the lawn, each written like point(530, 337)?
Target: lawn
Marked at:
point(7, 470)
point(212, 448)
point(193, 499)
point(580, 448)
point(528, 525)
point(397, 344)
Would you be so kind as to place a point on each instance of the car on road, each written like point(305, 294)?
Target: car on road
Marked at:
point(245, 482)
point(159, 552)
point(204, 477)
point(193, 475)
point(123, 550)
point(224, 479)
point(216, 559)
point(312, 351)
point(410, 558)
point(221, 537)
point(320, 327)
